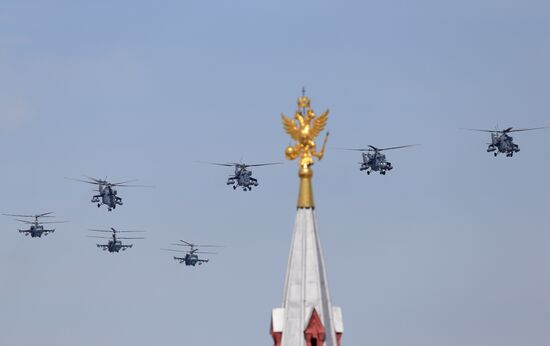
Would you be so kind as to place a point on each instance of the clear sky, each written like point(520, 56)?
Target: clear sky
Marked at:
point(450, 248)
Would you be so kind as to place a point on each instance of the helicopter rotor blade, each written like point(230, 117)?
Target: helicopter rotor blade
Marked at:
point(263, 164)
point(33, 216)
point(100, 230)
point(130, 238)
point(18, 215)
point(96, 236)
point(83, 181)
point(216, 163)
point(510, 129)
point(124, 182)
point(195, 245)
point(399, 147)
point(25, 221)
point(174, 250)
point(480, 130)
point(373, 148)
point(44, 214)
point(133, 185)
point(350, 149)
point(206, 252)
point(50, 222)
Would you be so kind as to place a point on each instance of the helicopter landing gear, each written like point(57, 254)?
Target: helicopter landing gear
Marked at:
point(99, 205)
point(368, 172)
point(234, 187)
point(495, 154)
point(383, 172)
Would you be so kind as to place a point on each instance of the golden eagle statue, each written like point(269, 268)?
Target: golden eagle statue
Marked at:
point(304, 128)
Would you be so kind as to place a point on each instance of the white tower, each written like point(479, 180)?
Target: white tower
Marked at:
point(307, 317)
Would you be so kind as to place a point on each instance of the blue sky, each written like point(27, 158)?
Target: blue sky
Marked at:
point(450, 248)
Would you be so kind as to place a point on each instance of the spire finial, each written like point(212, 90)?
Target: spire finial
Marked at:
point(304, 129)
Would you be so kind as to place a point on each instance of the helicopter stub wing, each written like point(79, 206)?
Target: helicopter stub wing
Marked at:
point(180, 259)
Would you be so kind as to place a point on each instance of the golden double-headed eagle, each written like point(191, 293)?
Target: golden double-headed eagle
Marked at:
point(304, 128)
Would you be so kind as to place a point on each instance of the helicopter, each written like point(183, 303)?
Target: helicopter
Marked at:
point(36, 228)
point(114, 244)
point(502, 142)
point(107, 193)
point(191, 258)
point(242, 176)
point(374, 160)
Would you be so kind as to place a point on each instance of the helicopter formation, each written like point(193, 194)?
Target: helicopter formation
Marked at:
point(373, 160)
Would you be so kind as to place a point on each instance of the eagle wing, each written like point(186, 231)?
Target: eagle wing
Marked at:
point(291, 128)
point(319, 124)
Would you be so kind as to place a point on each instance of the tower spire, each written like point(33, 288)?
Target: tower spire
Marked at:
point(307, 317)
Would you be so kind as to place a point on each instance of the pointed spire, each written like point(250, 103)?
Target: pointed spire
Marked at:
point(307, 316)
point(306, 289)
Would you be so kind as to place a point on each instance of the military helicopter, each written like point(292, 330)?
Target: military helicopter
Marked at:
point(114, 244)
point(502, 142)
point(107, 193)
point(242, 176)
point(374, 160)
point(36, 228)
point(191, 258)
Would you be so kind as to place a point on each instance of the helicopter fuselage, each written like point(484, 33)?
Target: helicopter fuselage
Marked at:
point(36, 231)
point(108, 196)
point(114, 246)
point(502, 143)
point(191, 260)
point(375, 161)
point(242, 178)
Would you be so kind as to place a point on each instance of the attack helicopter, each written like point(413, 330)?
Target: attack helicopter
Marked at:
point(36, 228)
point(191, 258)
point(114, 244)
point(374, 160)
point(107, 192)
point(242, 176)
point(502, 142)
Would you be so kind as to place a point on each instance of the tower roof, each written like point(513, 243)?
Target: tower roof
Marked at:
point(306, 286)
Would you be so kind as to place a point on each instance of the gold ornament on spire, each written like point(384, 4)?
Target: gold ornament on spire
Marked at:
point(304, 128)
